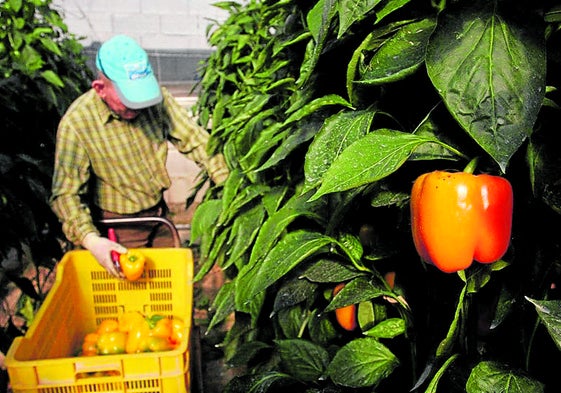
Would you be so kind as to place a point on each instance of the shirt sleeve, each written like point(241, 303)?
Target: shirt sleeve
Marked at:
point(191, 139)
point(70, 185)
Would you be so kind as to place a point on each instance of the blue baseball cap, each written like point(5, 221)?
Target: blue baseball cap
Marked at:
point(126, 64)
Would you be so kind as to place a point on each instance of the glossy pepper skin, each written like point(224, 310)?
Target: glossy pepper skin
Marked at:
point(132, 264)
point(112, 343)
point(457, 217)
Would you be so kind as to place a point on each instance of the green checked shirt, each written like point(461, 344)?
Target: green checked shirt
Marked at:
point(120, 165)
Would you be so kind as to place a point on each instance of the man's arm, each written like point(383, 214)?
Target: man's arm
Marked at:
point(191, 139)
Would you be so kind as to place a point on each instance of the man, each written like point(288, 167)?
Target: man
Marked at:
point(111, 152)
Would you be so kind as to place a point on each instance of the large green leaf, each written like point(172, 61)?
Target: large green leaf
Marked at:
point(318, 20)
point(245, 228)
point(223, 304)
point(356, 291)
point(338, 132)
point(330, 270)
point(303, 133)
point(275, 225)
point(351, 11)
point(369, 159)
point(288, 253)
point(550, 314)
point(497, 377)
point(294, 292)
point(361, 363)
point(399, 56)
point(490, 72)
point(303, 359)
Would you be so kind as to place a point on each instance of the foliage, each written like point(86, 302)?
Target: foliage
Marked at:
point(43, 70)
point(326, 112)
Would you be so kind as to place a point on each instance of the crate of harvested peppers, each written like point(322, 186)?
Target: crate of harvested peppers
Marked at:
point(86, 302)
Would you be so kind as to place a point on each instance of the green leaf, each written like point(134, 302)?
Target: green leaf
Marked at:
point(204, 218)
point(48, 43)
point(292, 142)
point(292, 293)
point(288, 253)
point(496, 377)
point(549, 312)
point(31, 60)
point(15, 5)
point(399, 56)
point(369, 159)
point(433, 385)
point(338, 132)
point(244, 197)
point(356, 291)
point(388, 328)
point(318, 20)
point(388, 7)
point(247, 351)
point(291, 320)
point(321, 328)
point(303, 359)
point(244, 230)
point(363, 362)
point(351, 11)
point(267, 140)
point(490, 72)
point(223, 304)
point(52, 78)
point(274, 226)
point(315, 105)
point(351, 246)
point(328, 270)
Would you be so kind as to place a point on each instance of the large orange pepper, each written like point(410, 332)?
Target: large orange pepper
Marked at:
point(459, 217)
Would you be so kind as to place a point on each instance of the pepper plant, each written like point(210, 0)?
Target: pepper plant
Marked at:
point(43, 69)
point(327, 111)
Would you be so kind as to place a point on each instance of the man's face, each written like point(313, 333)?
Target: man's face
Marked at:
point(106, 90)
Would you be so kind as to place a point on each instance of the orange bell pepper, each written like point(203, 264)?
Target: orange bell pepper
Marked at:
point(459, 217)
point(89, 345)
point(346, 316)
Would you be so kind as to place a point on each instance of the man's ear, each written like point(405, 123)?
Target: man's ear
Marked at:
point(99, 86)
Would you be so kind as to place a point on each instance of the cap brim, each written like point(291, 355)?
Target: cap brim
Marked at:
point(139, 93)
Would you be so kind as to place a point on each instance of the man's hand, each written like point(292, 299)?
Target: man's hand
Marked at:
point(101, 248)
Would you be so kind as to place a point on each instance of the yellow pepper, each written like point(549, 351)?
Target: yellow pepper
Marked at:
point(132, 264)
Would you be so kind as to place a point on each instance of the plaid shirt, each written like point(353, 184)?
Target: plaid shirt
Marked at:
point(123, 162)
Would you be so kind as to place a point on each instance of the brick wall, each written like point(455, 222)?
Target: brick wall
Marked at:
point(156, 24)
point(173, 32)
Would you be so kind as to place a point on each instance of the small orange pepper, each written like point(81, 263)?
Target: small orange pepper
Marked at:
point(346, 316)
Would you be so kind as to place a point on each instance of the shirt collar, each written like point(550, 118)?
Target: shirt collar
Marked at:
point(105, 113)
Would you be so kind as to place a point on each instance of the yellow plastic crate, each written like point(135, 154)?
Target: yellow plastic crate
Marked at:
point(84, 294)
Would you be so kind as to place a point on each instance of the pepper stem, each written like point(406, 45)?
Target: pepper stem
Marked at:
point(470, 167)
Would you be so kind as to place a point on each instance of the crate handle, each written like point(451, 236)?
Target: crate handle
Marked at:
point(140, 220)
point(97, 370)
